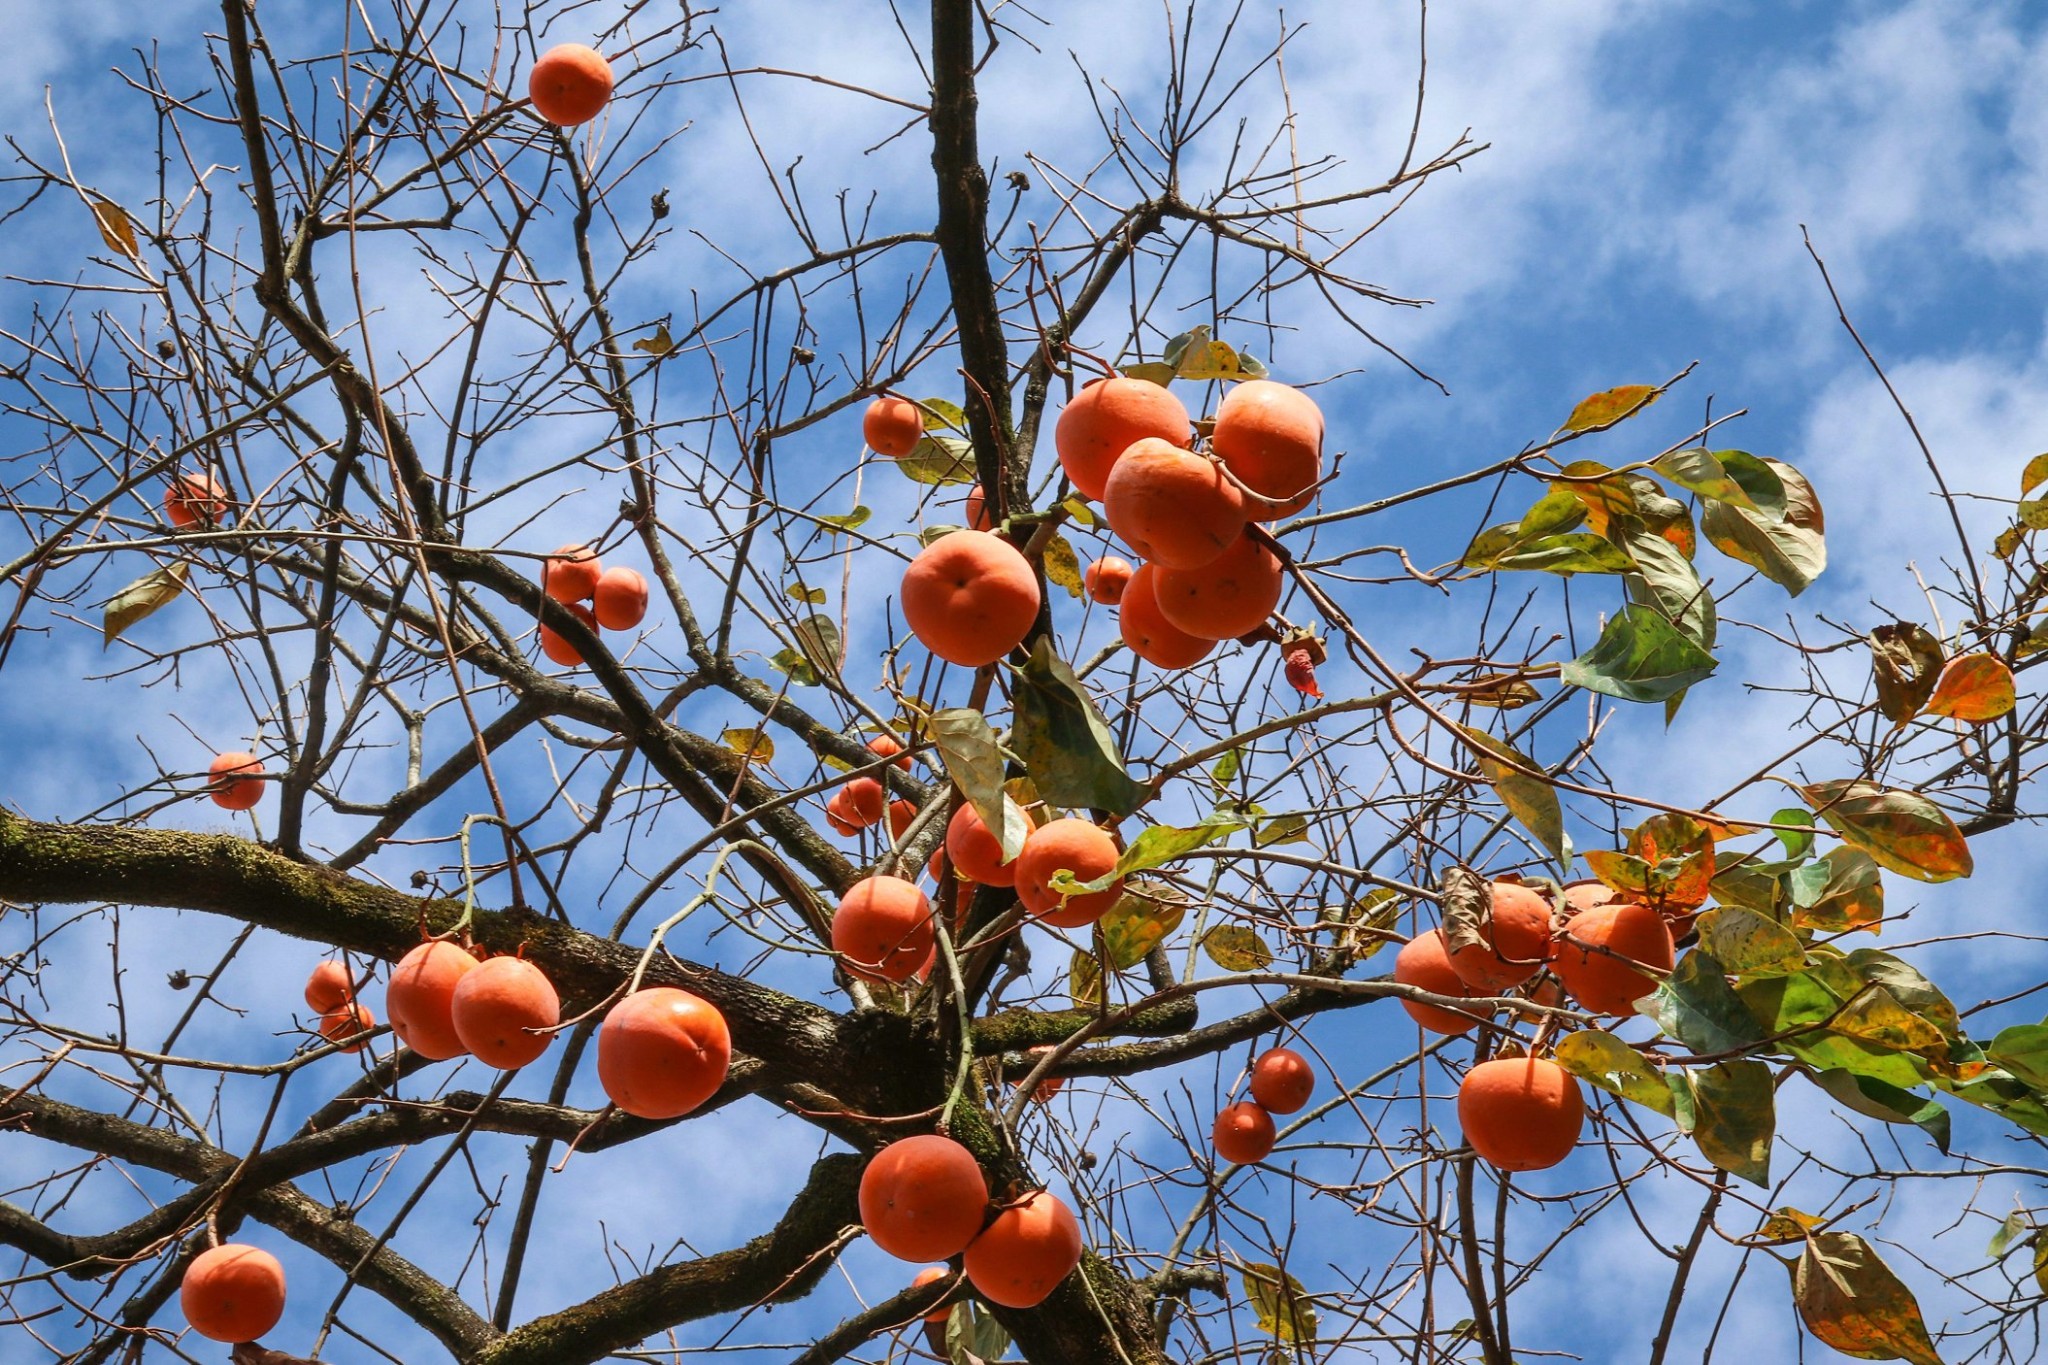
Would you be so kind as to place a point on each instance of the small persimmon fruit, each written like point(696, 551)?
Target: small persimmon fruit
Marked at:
point(863, 802)
point(1087, 850)
point(1593, 958)
point(1107, 418)
point(1223, 600)
point(970, 598)
point(1271, 437)
point(978, 516)
point(235, 785)
point(892, 426)
point(619, 601)
point(232, 1293)
point(1516, 943)
point(329, 987)
point(883, 931)
point(1172, 506)
point(350, 1019)
point(557, 647)
point(1106, 579)
point(1425, 961)
point(421, 998)
point(570, 574)
point(570, 84)
point(923, 1198)
point(888, 746)
point(976, 852)
point(932, 1275)
point(1149, 634)
point(1025, 1252)
point(661, 1052)
point(1282, 1080)
point(1521, 1113)
point(502, 1009)
point(901, 813)
point(194, 499)
point(1243, 1133)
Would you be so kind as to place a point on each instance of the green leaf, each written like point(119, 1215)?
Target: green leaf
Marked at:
point(938, 460)
point(1571, 552)
point(2023, 1050)
point(796, 666)
point(973, 1334)
point(1905, 659)
point(851, 521)
point(1793, 825)
point(1879, 1100)
point(974, 760)
point(1909, 987)
point(1790, 551)
point(1062, 565)
point(1839, 891)
point(754, 744)
point(1640, 656)
point(1225, 771)
point(1156, 846)
point(137, 601)
point(1557, 510)
point(2034, 513)
point(810, 597)
point(1063, 742)
point(1140, 921)
point(1610, 406)
point(1734, 1117)
point(1281, 829)
point(1851, 1300)
point(2015, 1224)
point(1666, 581)
point(1237, 948)
point(1734, 477)
point(1749, 944)
point(1282, 1305)
point(1697, 1006)
point(1530, 799)
point(1615, 1067)
point(1904, 831)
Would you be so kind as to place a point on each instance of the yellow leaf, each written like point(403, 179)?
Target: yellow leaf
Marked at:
point(657, 345)
point(1062, 566)
point(139, 599)
point(1973, 688)
point(117, 229)
point(752, 744)
point(1606, 408)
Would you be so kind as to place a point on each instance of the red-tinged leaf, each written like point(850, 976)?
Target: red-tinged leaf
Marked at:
point(1301, 673)
point(1529, 798)
point(1903, 831)
point(1973, 688)
point(1609, 406)
point(1851, 1300)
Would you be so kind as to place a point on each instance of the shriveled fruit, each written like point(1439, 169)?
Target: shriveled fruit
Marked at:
point(570, 84)
point(1521, 1113)
point(1282, 1080)
point(1172, 506)
point(233, 1292)
point(619, 601)
point(329, 987)
point(970, 598)
point(977, 510)
point(1149, 634)
point(1243, 1133)
point(571, 574)
point(235, 785)
point(932, 1275)
point(888, 746)
point(1084, 849)
point(1025, 1252)
point(557, 647)
point(923, 1198)
point(1107, 418)
point(1223, 600)
point(976, 852)
point(1106, 579)
point(892, 426)
point(350, 1019)
point(421, 998)
point(194, 499)
point(1425, 961)
point(499, 1008)
point(1271, 436)
point(883, 930)
point(661, 1052)
point(1593, 958)
point(1517, 942)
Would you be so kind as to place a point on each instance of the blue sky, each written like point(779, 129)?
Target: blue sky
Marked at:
point(1639, 208)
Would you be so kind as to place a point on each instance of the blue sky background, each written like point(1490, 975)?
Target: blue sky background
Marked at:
point(1639, 208)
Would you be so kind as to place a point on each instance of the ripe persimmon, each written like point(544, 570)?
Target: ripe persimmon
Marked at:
point(970, 598)
point(901, 813)
point(661, 1052)
point(1599, 944)
point(1517, 942)
point(499, 1009)
point(570, 84)
point(1084, 849)
point(883, 931)
point(1025, 1253)
point(194, 499)
point(1243, 1133)
point(888, 746)
point(619, 601)
point(932, 1275)
point(1106, 579)
point(349, 1019)
point(1425, 961)
point(232, 1293)
point(1107, 418)
point(976, 852)
point(1521, 1113)
point(235, 785)
point(892, 426)
point(557, 646)
point(1172, 506)
point(978, 516)
point(1282, 1080)
point(835, 814)
point(421, 998)
point(570, 574)
point(1149, 634)
point(923, 1198)
point(1271, 437)
point(1223, 600)
point(329, 986)
point(863, 802)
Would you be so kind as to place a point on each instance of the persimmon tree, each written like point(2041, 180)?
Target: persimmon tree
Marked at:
point(362, 339)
